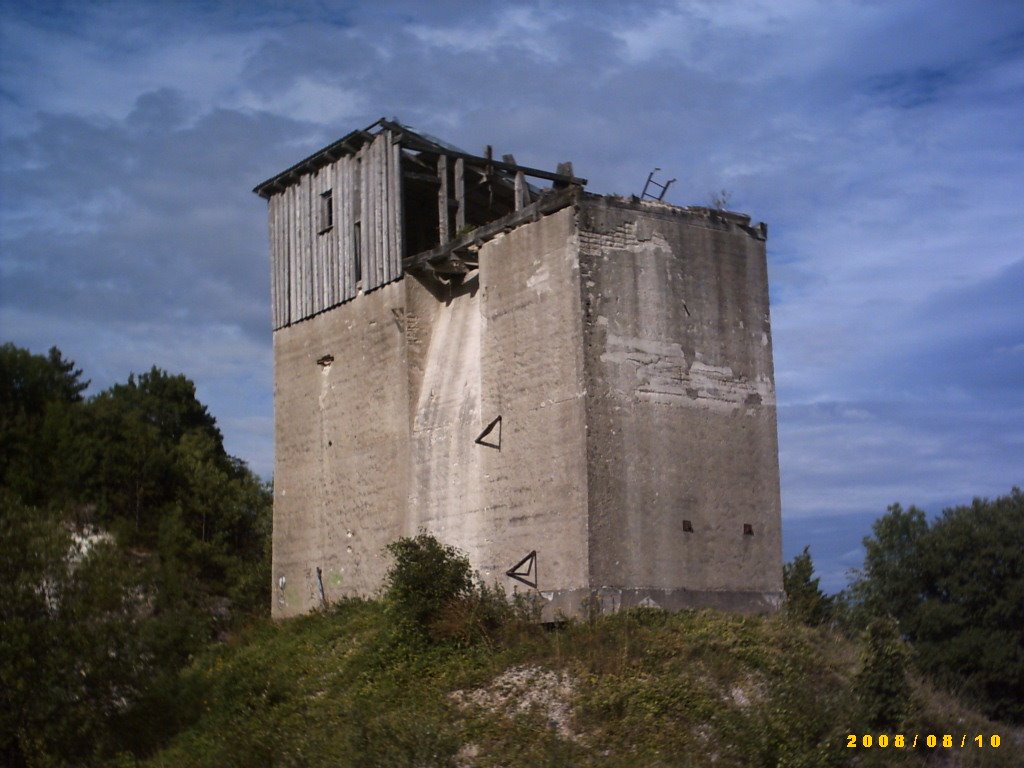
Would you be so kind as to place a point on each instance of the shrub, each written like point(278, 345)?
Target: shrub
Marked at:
point(805, 601)
point(431, 593)
point(426, 578)
point(881, 684)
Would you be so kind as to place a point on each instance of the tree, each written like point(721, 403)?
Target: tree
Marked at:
point(881, 682)
point(804, 599)
point(957, 591)
point(71, 657)
point(968, 627)
point(139, 428)
point(891, 580)
point(719, 199)
point(42, 458)
point(91, 641)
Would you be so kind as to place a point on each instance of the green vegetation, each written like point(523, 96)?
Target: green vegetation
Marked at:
point(367, 683)
point(427, 578)
point(130, 540)
point(431, 596)
point(805, 601)
point(881, 682)
point(134, 587)
point(642, 688)
point(956, 587)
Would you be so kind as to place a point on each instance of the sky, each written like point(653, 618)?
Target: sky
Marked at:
point(882, 142)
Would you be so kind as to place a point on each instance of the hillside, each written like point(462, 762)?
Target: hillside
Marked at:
point(637, 689)
point(134, 591)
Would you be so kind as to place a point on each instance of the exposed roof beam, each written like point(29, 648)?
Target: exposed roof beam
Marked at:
point(417, 142)
point(443, 253)
point(408, 138)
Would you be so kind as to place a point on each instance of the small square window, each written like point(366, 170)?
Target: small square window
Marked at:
point(326, 211)
point(687, 526)
point(748, 529)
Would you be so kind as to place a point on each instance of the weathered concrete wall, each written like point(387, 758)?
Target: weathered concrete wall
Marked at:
point(680, 409)
point(626, 348)
point(508, 344)
point(532, 376)
point(342, 436)
point(444, 492)
point(380, 443)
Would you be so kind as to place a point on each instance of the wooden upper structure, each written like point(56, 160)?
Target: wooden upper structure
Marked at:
point(384, 200)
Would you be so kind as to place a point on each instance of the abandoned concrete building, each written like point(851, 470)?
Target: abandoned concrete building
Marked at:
point(576, 390)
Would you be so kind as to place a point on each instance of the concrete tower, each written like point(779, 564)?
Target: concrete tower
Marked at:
point(576, 390)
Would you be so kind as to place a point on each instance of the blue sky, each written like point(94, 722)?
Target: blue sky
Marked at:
point(883, 142)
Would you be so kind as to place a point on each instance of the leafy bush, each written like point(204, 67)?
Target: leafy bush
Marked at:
point(426, 578)
point(431, 593)
point(805, 601)
point(881, 683)
point(956, 588)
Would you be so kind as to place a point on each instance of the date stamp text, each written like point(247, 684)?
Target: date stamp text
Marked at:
point(922, 740)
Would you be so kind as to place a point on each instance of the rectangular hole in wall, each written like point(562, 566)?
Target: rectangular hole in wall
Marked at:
point(687, 526)
point(326, 211)
point(748, 529)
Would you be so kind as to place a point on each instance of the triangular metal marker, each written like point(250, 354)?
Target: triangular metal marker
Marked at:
point(524, 569)
point(496, 422)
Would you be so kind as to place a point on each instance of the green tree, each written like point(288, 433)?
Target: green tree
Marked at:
point(42, 456)
point(91, 642)
point(957, 589)
point(881, 682)
point(165, 482)
point(968, 626)
point(804, 599)
point(890, 584)
point(139, 427)
point(71, 657)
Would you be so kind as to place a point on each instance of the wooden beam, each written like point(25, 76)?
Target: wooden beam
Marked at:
point(547, 204)
point(460, 194)
point(426, 178)
point(522, 194)
point(443, 229)
point(565, 169)
point(453, 266)
point(423, 146)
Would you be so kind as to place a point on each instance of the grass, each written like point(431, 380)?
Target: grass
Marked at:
point(341, 688)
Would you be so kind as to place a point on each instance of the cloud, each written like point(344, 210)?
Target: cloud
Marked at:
point(878, 140)
point(512, 31)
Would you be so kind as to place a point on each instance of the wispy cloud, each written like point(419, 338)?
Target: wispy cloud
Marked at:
point(881, 142)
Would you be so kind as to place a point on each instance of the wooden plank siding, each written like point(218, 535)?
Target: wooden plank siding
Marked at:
point(346, 240)
point(294, 272)
point(312, 266)
point(395, 198)
point(275, 263)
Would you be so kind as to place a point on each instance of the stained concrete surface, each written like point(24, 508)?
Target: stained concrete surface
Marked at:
point(626, 347)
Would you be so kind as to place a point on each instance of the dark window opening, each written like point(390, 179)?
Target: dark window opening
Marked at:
point(748, 529)
point(419, 205)
point(687, 526)
point(485, 195)
point(326, 211)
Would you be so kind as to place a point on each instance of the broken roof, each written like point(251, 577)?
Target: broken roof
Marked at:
point(409, 139)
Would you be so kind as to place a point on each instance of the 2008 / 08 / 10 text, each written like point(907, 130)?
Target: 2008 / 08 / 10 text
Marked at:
point(914, 741)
